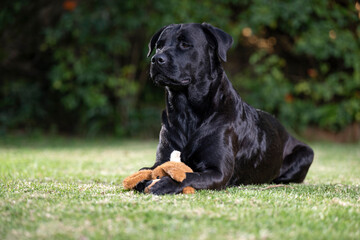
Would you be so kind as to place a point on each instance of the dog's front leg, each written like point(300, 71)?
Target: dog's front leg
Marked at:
point(205, 180)
point(166, 185)
point(211, 179)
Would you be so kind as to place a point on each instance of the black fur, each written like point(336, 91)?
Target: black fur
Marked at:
point(223, 139)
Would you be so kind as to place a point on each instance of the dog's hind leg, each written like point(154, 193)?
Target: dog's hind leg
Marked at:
point(296, 163)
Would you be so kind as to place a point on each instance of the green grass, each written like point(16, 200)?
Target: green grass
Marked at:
point(59, 188)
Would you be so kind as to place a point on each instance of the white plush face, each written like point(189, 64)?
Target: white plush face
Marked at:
point(175, 156)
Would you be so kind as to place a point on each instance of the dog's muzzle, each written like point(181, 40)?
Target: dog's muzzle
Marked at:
point(159, 59)
point(162, 72)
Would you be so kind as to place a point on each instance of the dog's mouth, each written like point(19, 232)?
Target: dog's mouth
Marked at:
point(164, 81)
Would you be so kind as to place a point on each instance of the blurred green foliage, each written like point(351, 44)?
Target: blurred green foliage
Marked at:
point(80, 66)
point(314, 66)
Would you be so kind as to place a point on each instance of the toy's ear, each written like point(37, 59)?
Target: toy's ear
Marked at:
point(177, 174)
point(176, 170)
point(220, 39)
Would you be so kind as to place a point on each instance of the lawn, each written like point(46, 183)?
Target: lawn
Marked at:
point(66, 188)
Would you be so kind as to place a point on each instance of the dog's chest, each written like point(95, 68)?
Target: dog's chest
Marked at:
point(187, 124)
point(185, 121)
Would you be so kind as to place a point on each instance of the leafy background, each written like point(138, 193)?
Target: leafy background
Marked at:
point(80, 67)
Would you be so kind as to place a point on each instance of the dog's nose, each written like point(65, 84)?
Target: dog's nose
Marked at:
point(159, 59)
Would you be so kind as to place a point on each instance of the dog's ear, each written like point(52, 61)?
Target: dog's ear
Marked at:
point(154, 39)
point(219, 38)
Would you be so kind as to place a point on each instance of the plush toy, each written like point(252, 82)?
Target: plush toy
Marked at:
point(174, 168)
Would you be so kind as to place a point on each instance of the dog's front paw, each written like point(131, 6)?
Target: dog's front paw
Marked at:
point(166, 185)
point(140, 187)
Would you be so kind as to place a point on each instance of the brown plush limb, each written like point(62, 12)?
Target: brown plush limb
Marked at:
point(131, 181)
point(188, 190)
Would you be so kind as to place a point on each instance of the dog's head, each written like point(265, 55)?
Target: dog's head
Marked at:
point(186, 53)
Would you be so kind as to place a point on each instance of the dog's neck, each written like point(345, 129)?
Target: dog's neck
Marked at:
point(199, 98)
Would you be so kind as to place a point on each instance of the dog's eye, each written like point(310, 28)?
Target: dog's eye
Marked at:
point(184, 45)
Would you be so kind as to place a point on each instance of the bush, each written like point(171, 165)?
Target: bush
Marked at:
point(81, 67)
point(305, 65)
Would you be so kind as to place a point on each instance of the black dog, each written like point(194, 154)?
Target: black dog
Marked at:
point(223, 139)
